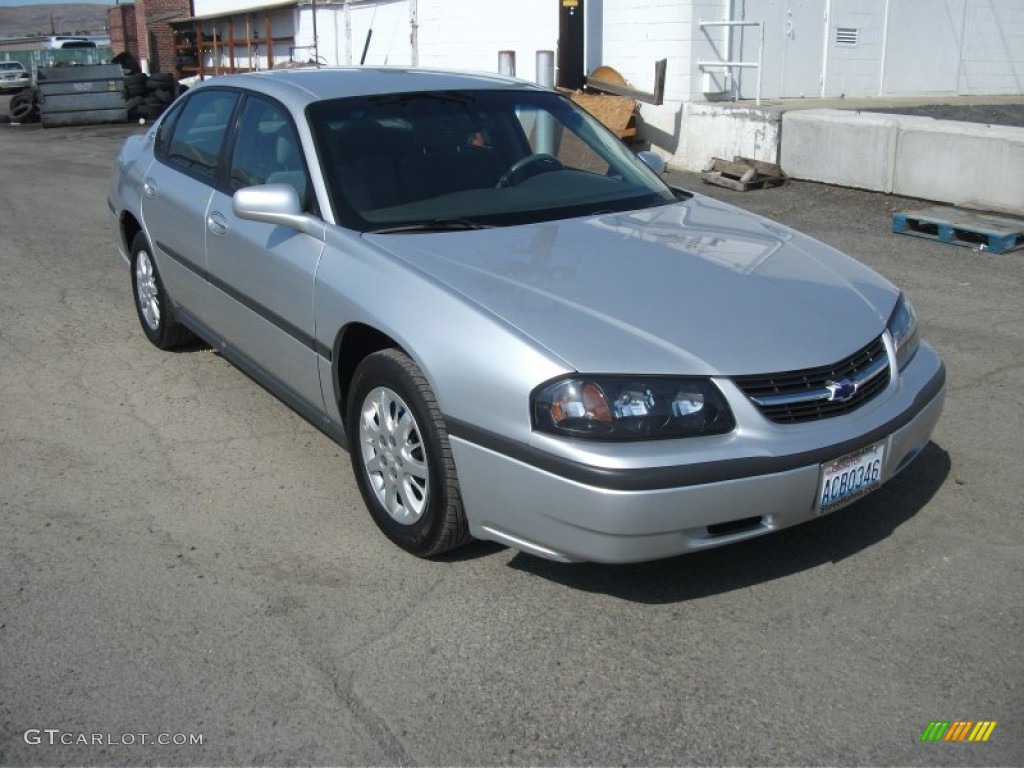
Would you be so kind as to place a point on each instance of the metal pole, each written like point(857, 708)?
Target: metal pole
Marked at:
point(366, 46)
point(546, 69)
point(414, 32)
point(545, 127)
point(348, 31)
point(760, 60)
point(507, 63)
point(316, 44)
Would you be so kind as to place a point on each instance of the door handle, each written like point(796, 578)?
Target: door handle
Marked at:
point(149, 188)
point(216, 223)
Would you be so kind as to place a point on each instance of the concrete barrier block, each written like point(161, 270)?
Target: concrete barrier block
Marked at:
point(850, 149)
point(969, 164)
point(711, 130)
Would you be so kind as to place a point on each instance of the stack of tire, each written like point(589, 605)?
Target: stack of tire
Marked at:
point(147, 96)
point(24, 107)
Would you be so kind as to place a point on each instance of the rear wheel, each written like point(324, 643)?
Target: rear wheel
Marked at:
point(401, 456)
point(151, 301)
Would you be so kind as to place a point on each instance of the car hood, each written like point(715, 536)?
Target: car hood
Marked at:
point(697, 287)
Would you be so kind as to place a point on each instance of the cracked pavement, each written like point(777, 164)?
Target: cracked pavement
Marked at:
point(181, 553)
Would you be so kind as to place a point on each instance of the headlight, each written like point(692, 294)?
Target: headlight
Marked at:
point(630, 408)
point(903, 329)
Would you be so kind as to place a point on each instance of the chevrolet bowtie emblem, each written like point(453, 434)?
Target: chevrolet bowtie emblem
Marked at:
point(840, 391)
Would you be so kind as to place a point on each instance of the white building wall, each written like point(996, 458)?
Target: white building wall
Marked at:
point(993, 49)
point(923, 43)
point(455, 34)
point(341, 34)
point(637, 33)
point(855, 70)
point(903, 47)
point(224, 7)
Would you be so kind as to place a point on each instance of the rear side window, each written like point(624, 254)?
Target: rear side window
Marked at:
point(199, 131)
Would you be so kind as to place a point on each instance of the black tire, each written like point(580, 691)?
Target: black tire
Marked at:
point(23, 97)
point(164, 97)
point(427, 516)
point(135, 85)
point(20, 111)
point(152, 304)
point(160, 82)
point(150, 110)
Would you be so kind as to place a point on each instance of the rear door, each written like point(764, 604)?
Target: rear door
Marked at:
point(177, 191)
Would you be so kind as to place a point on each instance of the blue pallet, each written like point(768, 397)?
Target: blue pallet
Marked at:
point(971, 229)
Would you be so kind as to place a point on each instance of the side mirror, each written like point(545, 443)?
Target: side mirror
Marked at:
point(652, 160)
point(276, 204)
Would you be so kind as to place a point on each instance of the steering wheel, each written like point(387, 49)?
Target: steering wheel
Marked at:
point(540, 162)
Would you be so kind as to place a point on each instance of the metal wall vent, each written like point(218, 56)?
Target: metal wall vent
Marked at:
point(847, 35)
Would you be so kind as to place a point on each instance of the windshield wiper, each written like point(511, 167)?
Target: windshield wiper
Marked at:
point(433, 225)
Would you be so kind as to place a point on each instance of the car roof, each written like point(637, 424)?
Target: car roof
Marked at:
point(299, 87)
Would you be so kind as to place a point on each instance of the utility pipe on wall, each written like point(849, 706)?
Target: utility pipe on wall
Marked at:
point(414, 31)
point(348, 31)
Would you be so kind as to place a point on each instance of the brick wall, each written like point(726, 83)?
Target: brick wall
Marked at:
point(123, 29)
point(156, 38)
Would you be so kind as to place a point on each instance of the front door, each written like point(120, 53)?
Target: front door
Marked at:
point(261, 275)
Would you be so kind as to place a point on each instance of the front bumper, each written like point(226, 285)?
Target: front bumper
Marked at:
point(633, 517)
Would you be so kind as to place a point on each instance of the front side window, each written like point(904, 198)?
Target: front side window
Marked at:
point(267, 149)
point(488, 158)
point(198, 133)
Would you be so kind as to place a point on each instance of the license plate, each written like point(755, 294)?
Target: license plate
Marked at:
point(849, 477)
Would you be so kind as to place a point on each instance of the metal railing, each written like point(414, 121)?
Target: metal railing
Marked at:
point(728, 63)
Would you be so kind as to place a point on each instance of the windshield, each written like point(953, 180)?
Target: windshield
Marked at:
point(473, 158)
point(11, 66)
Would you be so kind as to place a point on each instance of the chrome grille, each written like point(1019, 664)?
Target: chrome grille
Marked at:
point(819, 393)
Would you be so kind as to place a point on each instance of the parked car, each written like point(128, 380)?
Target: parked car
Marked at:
point(517, 329)
point(14, 76)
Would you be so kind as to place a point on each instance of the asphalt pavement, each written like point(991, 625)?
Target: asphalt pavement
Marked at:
point(183, 557)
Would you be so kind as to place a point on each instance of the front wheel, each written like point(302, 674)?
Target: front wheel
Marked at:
point(401, 456)
point(151, 301)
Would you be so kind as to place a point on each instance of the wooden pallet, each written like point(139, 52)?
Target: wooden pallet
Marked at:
point(956, 226)
point(616, 112)
point(742, 174)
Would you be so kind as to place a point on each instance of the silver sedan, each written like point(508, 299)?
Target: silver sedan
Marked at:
point(516, 329)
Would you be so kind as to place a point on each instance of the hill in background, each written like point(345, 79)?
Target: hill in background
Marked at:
point(68, 19)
